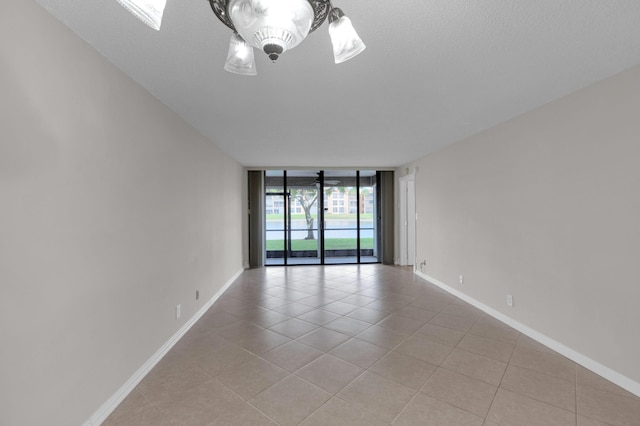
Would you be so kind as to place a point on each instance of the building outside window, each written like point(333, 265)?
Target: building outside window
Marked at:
point(338, 202)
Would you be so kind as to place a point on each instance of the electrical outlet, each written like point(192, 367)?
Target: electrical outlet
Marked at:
point(509, 300)
point(178, 311)
point(461, 279)
point(197, 294)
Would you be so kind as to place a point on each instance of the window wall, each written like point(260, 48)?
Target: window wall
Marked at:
point(321, 217)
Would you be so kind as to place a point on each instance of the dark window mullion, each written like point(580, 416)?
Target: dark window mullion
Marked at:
point(321, 224)
point(358, 216)
point(286, 217)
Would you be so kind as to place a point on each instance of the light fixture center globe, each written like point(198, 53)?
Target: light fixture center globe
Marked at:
point(273, 26)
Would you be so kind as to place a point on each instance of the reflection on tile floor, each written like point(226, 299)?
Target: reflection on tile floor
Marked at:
point(363, 345)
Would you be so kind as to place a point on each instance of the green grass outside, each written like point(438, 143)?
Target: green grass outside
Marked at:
point(330, 244)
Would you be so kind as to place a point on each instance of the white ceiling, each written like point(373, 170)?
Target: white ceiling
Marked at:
point(434, 72)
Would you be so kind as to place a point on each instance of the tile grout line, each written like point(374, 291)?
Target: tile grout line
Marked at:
point(501, 379)
point(576, 393)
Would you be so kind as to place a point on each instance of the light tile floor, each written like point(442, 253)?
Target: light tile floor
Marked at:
point(363, 345)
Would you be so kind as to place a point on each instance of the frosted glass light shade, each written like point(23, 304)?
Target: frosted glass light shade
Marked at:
point(240, 59)
point(274, 26)
point(148, 11)
point(345, 40)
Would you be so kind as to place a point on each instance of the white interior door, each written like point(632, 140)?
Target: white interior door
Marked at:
point(407, 217)
point(411, 222)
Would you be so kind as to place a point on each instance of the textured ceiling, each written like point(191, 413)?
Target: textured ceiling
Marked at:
point(434, 72)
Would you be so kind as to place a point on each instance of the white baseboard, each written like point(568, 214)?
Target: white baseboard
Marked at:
point(602, 370)
point(112, 403)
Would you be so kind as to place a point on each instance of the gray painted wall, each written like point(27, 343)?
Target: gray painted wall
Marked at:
point(113, 211)
point(546, 207)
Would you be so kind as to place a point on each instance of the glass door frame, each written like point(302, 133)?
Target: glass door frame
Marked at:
point(322, 227)
point(305, 258)
point(323, 189)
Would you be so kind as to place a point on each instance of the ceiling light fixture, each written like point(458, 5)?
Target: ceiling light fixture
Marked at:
point(148, 11)
point(273, 26)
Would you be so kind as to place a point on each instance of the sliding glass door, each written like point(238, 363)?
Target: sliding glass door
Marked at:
point(303, 238)
point(368, 216)
point(321, 217)
point(275, 208)
point(340, 217)
point(292, 217)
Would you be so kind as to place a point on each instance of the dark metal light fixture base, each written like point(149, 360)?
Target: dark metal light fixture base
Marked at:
point(320, 11)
